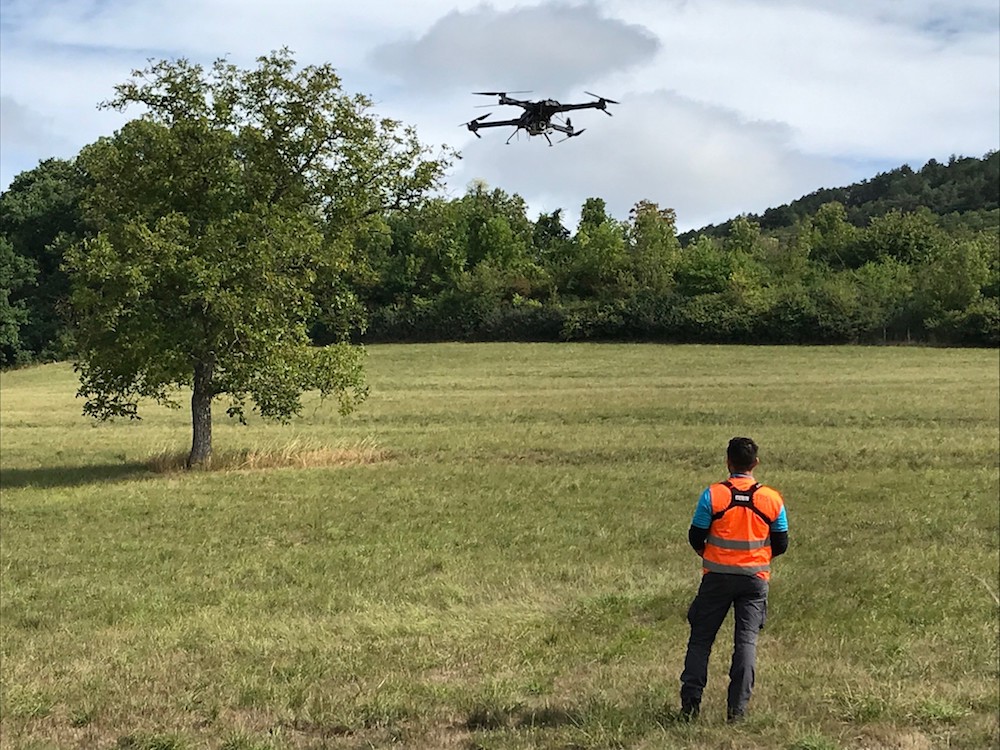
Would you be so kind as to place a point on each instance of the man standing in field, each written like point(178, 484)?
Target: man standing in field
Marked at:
point(738, 526)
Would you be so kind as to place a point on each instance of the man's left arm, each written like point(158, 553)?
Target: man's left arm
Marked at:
point(779, 534)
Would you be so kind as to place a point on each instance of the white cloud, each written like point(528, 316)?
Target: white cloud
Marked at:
point(849, 78)
point(556, 46)
point(23, 129)
point(49, 104)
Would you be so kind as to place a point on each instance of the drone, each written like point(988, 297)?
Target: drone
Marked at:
point(537, 116)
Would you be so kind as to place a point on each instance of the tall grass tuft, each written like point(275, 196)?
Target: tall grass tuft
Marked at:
point(297, 454)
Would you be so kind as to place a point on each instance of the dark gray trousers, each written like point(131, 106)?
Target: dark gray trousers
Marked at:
point(747, 595)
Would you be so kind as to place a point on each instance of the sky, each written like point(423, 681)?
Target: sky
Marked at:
point(726, 107)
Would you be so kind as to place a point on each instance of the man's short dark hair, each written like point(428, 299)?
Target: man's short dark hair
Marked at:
point(742, 452)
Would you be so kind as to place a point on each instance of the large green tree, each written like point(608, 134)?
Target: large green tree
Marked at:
point(224, 217)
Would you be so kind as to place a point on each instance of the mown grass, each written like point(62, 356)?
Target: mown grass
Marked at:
point(491, 553)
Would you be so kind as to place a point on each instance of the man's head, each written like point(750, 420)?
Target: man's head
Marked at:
point(742, 454)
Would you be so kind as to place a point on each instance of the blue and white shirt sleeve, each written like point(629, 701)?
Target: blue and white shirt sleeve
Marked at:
point(703, 511)
point(781, 522)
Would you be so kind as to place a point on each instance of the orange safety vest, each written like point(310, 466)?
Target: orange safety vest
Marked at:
point(739, 538)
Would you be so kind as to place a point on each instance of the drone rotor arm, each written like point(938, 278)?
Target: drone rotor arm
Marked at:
point(601, 105)
point(584, 105)
point(495, 124)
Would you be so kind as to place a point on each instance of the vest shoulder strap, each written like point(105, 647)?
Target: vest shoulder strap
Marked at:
point(742, 499)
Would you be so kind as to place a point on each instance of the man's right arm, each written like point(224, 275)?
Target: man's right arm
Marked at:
point(701, 522)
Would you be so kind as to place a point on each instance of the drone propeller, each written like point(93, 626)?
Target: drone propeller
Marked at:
point(602, 98)
point(473, 124)
point(574, 134)
point(501, 93)
point(603, 102)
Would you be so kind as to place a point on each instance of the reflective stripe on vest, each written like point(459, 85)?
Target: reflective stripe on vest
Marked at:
point(738, 543)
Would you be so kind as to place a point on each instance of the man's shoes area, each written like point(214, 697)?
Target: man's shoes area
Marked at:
point(689, 710)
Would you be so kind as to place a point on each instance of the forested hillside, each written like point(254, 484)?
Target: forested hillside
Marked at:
point(964, 189)
point(905, 256)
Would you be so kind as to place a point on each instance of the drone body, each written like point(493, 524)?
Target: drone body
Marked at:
point(536, 119)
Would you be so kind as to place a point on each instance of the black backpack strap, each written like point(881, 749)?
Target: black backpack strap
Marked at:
point(742, 499)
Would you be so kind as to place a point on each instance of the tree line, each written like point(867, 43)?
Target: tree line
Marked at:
point(475, 268)
point(906, 256)
point(478, 268)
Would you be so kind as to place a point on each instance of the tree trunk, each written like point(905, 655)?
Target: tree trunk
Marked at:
point(201, 413)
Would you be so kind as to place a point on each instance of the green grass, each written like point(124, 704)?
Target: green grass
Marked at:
point(509, 567)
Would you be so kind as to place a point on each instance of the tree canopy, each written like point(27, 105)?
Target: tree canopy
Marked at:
point(222, 220)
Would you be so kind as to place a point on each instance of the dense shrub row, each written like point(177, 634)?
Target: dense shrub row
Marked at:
point(794, 318)
point(873, 264)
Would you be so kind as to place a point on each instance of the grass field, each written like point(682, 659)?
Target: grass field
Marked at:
point(491, 553)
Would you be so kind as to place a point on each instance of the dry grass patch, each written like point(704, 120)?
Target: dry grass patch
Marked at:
point(296, 454)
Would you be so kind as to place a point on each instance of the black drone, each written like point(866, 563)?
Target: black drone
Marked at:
point(537, 116)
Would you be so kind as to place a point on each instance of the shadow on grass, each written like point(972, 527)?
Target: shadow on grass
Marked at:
point(50, 477)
